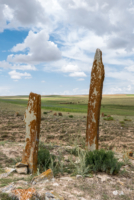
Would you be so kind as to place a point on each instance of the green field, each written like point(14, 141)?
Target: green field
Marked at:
point(112, 105)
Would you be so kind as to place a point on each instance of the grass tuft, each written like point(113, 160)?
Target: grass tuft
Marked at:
point(102, 161)
point(45, 113)
point(108, 118)
point(71, 116)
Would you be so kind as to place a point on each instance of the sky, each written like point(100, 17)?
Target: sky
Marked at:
point(48, 47)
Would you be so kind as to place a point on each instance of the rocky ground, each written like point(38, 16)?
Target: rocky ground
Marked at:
point(60, 133)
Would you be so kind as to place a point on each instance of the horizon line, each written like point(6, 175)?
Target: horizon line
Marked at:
point(67, 95)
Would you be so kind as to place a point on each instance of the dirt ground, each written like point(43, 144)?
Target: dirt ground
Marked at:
point(60, 133)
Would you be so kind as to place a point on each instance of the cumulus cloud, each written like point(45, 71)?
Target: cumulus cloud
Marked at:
point(18, 75)
point(77, 74)
point(78, 27)
point(22, 14)
point(40, 49)
point(69, 68)
point(113, 20)
point(7, 65)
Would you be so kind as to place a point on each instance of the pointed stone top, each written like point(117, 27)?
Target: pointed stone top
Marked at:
point(98, 55)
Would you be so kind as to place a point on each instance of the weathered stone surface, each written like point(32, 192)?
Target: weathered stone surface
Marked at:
point(94, 103)
point(22, 170)
point(25, 194)
point(32, 120)
point(9, 170)
point(53, 196)
point(4, 175)
point(45, 176)
point(7, 188)
point(19, 164)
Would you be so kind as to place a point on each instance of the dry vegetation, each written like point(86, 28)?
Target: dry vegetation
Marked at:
point(59, 134)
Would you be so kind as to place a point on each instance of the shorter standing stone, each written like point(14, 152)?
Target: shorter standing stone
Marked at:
point(32, 120)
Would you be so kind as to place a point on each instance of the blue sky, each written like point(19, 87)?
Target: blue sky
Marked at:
point(48, 47)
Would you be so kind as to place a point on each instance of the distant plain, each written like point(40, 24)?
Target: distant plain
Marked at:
point(110, 104)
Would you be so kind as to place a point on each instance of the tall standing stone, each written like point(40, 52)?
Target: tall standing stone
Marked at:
point(94, 103)
point(32, 120)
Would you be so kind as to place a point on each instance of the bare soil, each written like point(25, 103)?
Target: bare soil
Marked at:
point(60, 133)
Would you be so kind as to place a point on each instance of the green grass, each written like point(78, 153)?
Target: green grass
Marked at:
point(109, 105)
point(129, 94)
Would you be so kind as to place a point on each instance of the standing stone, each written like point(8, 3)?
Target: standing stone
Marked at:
point(94, 103)
point(32, 120)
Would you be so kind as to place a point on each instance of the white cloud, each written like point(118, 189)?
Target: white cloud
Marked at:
point(78, 27)
point(129, 87)
point(77, 74)
point(4, 90)
point(8, 13)
point(17, 14)
point(43, 81)
point(130, 68)
point(17, 75)
point(7, 65)
point(81, 79)
point(75, 90)
point(69, 68)
point(40, 49)
point(115, 90)
point(120, 75)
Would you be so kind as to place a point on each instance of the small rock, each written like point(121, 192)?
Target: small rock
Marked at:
point(78, 176)
point(66, 178)
point(22, 170)
point(19, 164)
point(60, 114)
point(4, 175)
point(55, 184)
point(115, 192)
point(121, 193)
point(9, 171)
point(7, 188)
point(53, 196)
